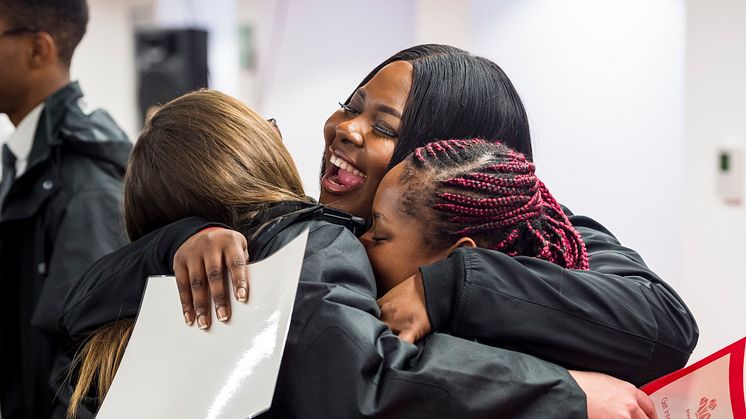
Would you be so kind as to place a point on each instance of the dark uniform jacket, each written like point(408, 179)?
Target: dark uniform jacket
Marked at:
point(619, 318)
point(341, 361)
point(60, 216)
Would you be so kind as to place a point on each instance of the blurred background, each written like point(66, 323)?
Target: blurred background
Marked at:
point(637, 107)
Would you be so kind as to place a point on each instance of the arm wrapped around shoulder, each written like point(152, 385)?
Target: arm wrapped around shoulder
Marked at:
point(619, 318)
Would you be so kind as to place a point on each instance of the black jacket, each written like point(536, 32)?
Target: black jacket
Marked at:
point(60, 216)
point(341, 361)
point(618, 318)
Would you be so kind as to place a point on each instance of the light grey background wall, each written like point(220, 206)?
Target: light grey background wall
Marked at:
point(603, 83)
point(714, 234)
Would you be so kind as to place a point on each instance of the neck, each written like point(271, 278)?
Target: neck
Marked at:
point(42, 89)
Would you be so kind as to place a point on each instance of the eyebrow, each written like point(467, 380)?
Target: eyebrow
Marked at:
point(378, 216)
point(381, 108)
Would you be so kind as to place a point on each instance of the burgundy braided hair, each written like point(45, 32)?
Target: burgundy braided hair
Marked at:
point(489, 192)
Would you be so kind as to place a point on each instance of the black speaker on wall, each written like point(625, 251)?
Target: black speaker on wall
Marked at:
point(170, 62)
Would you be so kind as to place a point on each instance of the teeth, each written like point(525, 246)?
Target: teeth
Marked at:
point(345, 166)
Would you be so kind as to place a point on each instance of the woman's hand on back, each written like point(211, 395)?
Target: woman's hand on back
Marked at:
point(200, 265)
point(404, 310)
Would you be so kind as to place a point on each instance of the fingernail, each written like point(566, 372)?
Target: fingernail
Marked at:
point(242, 294)
point(202, 321)
point(222, 314)
point(187, 318)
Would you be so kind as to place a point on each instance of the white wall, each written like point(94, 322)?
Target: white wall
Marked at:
point(714, 262)
point(443, 22)
point(104, 61)
point(629, 102)
point(603, 84)
point(218, 17)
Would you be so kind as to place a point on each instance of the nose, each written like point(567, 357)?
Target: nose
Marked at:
point(366, 239)
point(349, 132)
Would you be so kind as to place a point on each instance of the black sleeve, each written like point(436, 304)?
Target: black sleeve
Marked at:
point(112, 288)
point(619, 318)
point(341, 361)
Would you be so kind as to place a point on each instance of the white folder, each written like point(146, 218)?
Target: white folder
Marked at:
point(170, 370)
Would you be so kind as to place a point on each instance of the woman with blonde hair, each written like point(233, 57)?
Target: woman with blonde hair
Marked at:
point(206, 155)
point(203, 154)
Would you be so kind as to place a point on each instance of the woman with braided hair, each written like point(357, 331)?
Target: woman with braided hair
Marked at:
point(465, 193)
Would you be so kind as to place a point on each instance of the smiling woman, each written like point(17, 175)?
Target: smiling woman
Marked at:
point(425, 92)
point(361, 137)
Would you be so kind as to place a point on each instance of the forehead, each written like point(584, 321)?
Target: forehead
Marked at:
point(389, 191)
point(391, 84)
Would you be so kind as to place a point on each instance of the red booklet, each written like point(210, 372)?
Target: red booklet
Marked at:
point(709, 389)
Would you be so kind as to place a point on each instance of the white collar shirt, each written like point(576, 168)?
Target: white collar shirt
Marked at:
point(22, 139)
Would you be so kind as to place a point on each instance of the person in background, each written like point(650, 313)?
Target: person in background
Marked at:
point(60, 192)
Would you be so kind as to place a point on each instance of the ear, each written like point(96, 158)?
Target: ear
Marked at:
point(44, 51)
point(462, 242)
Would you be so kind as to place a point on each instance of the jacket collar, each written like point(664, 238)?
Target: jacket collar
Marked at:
point(63, 121)
point(49, 121)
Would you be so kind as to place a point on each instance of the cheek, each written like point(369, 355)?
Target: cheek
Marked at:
point(330, 127)
point(12, 67)
point(384, 153)
point(399, 263)
point(414, 253)
point(379, 158)
point(6, 72)
point(384, 265)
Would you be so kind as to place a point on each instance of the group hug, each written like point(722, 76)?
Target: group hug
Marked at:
point(441, 278)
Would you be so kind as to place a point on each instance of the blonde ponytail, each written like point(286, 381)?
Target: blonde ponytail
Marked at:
point(97, 362)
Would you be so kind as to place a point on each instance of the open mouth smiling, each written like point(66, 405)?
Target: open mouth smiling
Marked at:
point(341, 176)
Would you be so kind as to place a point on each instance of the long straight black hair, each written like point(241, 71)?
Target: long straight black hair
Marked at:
point(456, 95)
